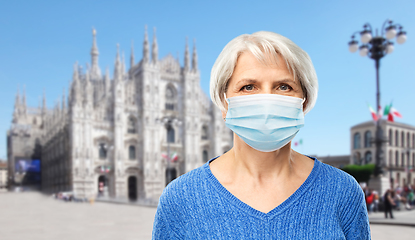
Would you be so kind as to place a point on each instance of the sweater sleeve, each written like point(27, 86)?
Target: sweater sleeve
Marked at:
point(355, 221)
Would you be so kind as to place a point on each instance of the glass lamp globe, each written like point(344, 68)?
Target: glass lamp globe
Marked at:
point(353, 46)
point(390, 32)
point(389, 48)
point(363, 51)
point(401, 38)
point(365, 36)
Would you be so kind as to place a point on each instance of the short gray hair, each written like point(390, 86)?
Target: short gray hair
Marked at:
point(260, 44)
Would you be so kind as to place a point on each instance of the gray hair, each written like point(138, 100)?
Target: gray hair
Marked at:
point(261, 45)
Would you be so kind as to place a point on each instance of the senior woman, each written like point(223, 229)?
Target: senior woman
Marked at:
point(261, 188)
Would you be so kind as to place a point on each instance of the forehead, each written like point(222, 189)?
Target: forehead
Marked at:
point(266, 65)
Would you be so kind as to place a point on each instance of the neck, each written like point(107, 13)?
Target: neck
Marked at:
point(261, 165)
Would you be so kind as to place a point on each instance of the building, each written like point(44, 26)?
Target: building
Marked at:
point(3, 174)
point(112, 136)
point(336, 161)
point(398, 151)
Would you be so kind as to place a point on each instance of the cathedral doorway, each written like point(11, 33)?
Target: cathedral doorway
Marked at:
point(102, 186)
point(132, 188)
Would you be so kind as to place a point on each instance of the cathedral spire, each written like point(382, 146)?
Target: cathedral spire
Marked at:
point(194, 58)
point(117, 67)
point(17, 100)
point(95, 70)
point(123, 64)
point(24, 98)
point(186, 57)
point(75, 91)
point(155, 49)
point(132, 55)
point(63, 101)
point(146, 54)
point(44, 101)
point(107, 81)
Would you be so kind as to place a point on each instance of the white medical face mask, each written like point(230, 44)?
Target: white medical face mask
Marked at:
point(266, 122)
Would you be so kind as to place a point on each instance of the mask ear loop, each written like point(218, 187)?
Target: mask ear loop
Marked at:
point(224, 95)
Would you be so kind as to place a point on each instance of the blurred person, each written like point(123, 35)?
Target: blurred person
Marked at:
point(388, 203)
point(261, 188)
point(397, 199)
point(376, 201)
point(369, 200)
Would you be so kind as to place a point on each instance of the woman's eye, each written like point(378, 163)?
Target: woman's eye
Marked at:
point(284, 87)
point(248, 88)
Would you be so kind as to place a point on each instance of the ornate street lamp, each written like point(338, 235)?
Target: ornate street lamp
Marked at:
point(376, 47)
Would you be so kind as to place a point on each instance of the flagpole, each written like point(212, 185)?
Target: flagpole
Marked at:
point(379, 139)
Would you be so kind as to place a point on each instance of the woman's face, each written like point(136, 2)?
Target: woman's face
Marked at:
point(250, 76)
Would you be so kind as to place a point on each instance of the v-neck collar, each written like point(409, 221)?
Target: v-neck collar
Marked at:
point(254, 212)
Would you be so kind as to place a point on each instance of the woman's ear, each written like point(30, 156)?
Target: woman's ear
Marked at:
point(305, 104)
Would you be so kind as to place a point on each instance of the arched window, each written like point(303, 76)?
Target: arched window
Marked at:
point(413, 160)
point(413, 140)
point(131, 126)
point(396, 158)
point(356, 141)
point(368, 138)
point(390, 137)
point(402, 159)
point(356, 158)
point(170, 135)
point(402, 139)
point(205, 156)
point(368, 157)
point(408, 160)
point(102, 151)
point(205, 134)
point(390, 160)
point(408, 140)
point(170, 98)
point(131, 152)
point(396, 138)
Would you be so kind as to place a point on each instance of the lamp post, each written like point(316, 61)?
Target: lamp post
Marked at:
point(169, 122)
point(376, 47)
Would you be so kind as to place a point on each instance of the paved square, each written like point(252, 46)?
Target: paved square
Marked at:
point(36, 217)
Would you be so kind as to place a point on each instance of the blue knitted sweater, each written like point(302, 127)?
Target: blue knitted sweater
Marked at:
point(328, 205)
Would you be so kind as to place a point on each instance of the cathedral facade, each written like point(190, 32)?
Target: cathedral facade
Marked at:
point(120, 137)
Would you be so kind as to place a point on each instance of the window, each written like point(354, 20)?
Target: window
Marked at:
point(396, 158)
point(390, 137)
point(131, 152)
point(403, 139)
point(205, 135)
point(131, 127)
point(170, 98)
point(413, 140)
point(205, 156)
point(368, 157)
point(356, 141)
point(390, 160)
point(402, 159)
point(356, 158)
point(170, 135)
point(408, 140)
point(396, 138)
point(413, 160)
point(368, 138)
point(102, 151)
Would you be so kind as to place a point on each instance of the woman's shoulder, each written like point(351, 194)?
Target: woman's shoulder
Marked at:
point(337, 177)
point(185, 186)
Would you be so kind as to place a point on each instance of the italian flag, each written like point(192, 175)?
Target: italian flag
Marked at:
point(391, 113)
point(374, 115)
